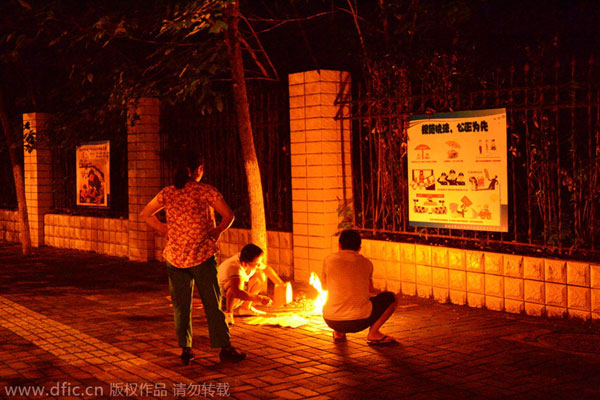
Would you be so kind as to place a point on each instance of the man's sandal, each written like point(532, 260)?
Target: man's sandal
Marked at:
point(384, 341)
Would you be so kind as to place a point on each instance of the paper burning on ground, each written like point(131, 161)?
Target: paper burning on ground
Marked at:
point(300, 308)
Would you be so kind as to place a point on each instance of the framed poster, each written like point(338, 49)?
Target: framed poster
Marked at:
point(457, 170)
point(93, 174)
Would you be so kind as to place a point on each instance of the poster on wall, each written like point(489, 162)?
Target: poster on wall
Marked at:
point(93, 174)
point(457, 170)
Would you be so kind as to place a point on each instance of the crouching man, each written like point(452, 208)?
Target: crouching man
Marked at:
point(352, 303)
point(242, 278)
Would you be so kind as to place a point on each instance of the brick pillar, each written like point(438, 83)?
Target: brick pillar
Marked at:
point(144, 173)
point(320, 180)
point(38, 178)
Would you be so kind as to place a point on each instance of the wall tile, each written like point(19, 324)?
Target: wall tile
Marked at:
point(514, 306)
point(595, 300)
point(474, 261)
point(378, 249)
point(408, 273)
point(556, 271)
point(494, 286)
point(578, 298)
point(422, 255)
point(556, 312)
point(513, 288)
point(513, 266)
point(391, 251)
point(456, 259)
point(379, 284)
point(556, 295)
point(272, 239)
point(534, 291)
point(439, 256)
point(407, 253)
point(457, 280)
point(476, 300)
point(424, 291)
point(584, 315)
point(533, 268)
point(441, 294)
point(494, 303)
point(393, 270)
point(534, 309)
point(595, 276)
point(458, 297)
point(578, 274)
point(378, 269)
point(439, 277)
point(493, 263)
point(424, 275)
point(475, 283)
point(394, 286)
point(409, 289)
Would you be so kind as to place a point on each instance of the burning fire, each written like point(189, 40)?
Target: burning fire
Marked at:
point(321, 298)
point(283, 295)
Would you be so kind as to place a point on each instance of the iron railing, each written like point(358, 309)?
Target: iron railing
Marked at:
point(215, 134)
point(553, 124)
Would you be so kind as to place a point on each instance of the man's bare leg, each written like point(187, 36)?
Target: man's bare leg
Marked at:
point(255, 286)
point(374, 333)
point(229, 303)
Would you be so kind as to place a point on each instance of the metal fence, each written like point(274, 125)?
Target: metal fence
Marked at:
point(553, 123)
point(8, 196)
point(215, 135)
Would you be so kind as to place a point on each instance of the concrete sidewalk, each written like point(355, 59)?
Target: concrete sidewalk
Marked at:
point(81, 325)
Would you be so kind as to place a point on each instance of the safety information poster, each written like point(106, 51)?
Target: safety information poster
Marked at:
point(457, 170)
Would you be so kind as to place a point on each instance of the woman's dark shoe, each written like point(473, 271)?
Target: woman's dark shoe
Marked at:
point(187, 356)
point(231, 354)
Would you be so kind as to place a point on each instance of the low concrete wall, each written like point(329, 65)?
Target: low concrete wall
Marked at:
point(502, 282)
point(9, 226)
point(279, 244)
point(102, 235)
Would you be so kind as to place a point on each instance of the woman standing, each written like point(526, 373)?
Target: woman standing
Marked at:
point(190, 253)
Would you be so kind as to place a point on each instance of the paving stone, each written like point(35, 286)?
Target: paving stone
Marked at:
point(88, 328)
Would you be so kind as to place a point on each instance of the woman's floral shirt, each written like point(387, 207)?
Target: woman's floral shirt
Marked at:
point(189, 219)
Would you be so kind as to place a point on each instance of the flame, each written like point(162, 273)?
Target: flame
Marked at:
point(321, 298)
point(289, 296)
point(282, 294)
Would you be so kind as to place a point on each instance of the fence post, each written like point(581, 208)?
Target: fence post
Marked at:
point(143, 172)
point(321, 167)
point(37, 162)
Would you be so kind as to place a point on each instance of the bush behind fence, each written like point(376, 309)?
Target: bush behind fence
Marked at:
point(553, 118)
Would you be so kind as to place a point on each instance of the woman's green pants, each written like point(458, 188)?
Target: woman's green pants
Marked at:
point(181, 285)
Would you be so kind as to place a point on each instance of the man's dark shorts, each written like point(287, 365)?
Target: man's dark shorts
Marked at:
point(380, 303)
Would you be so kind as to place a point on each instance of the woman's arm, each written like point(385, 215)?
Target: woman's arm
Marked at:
point(227, 218)
point(148, 214)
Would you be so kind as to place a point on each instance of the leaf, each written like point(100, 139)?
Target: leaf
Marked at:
point(218, 27)
point(90, 77)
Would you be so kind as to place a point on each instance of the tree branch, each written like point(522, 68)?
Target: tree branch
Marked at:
point(262, 49)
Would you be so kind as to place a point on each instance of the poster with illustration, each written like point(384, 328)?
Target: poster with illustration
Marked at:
point(457, 170)
point(93, 174)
